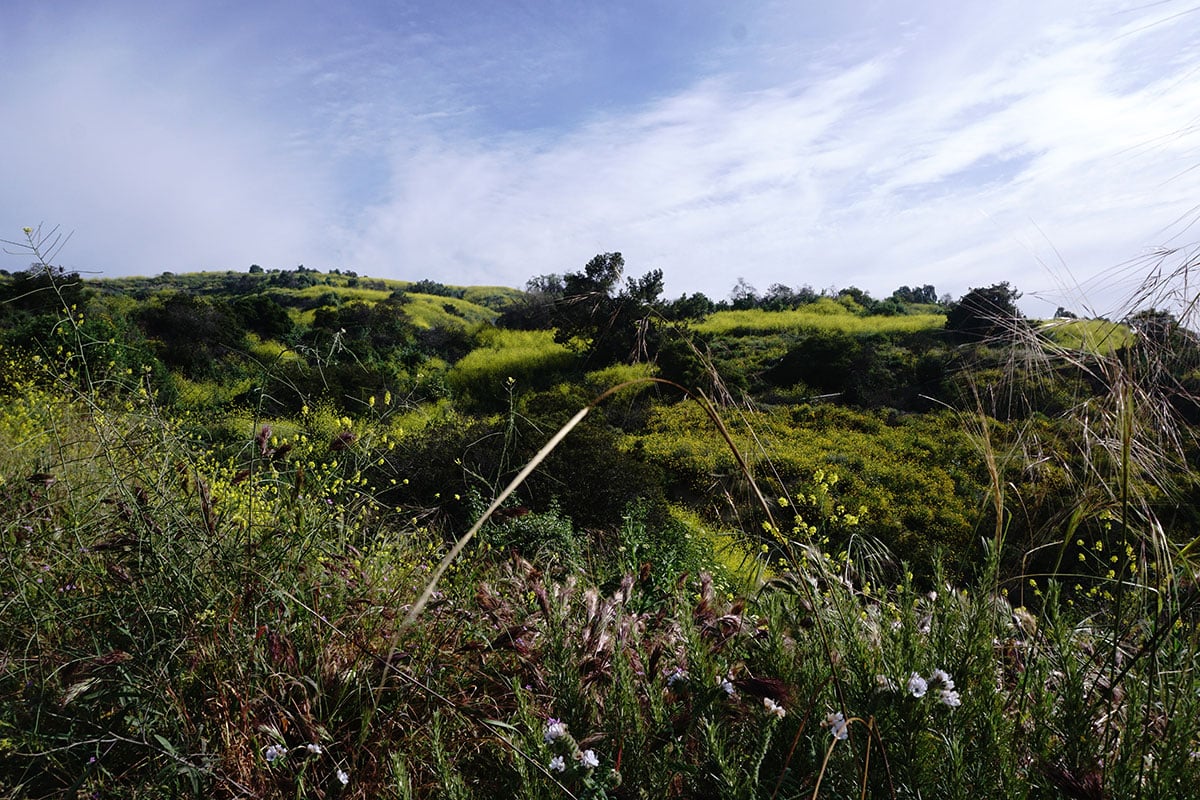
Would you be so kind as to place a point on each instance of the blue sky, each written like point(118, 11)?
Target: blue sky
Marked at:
point(1052, 144)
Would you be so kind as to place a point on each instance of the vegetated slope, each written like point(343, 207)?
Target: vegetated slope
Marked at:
point(222, 493)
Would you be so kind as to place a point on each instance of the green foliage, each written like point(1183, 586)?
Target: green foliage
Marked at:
point(547, 538)
point(192, 334)
point(917, 478)
point(189, 619)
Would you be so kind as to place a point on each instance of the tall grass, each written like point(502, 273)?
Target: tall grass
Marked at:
point(819, 317)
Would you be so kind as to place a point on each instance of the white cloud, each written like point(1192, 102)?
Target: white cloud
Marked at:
point(856, 147)
point(908, 166)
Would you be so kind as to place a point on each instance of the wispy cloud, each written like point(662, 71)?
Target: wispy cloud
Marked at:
point(891, 169)
point(869, 144)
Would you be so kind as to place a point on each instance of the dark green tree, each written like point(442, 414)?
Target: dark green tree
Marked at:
point(193, 334)
point(984, 313)
point(609, 325)
point(917, 294)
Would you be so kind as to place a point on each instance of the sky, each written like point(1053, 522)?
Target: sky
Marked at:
point(871, 143)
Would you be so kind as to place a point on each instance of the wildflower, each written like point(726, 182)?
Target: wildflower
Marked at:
point(940, 678)
point(917, 685)
point(950, 698)
point(343, 776)
point(557, 764)
point(555, 729)
point(588, 759)
point(837, 725)
point(774, 708)
point(677, 675)
point(884, 684)
point(314, 748)
point(274, 752)
point(726, 686)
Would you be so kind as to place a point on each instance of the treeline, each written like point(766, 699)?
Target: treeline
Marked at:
point(602, 276)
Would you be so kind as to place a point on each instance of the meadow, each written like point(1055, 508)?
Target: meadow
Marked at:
point(501, 583)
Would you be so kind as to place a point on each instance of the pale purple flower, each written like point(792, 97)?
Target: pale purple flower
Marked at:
point(726, 686)
point(774, 708)
point(343, 776)
point(950, 698)
point(678, 674)
point(314, 748)
point(557, 764)
point(917, 685)
point(940, 678)
point(836, 722)
point(588, 759)
point(274, 752)
point(555, 729)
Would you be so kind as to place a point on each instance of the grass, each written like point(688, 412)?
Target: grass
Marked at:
point(1090, 335)
point(524, 357)
point(185, 621)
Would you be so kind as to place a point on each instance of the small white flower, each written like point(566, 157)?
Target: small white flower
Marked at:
point(557, 764)
point(676, 676)
point(939, 677)
point(343, 776)
point(726, 686)
point(314, 748)
point(774, 708)
point(274, 752)
point(555, 729)
point(588, 759)
point(950, 698)
point(837, 725)
point(917, 685)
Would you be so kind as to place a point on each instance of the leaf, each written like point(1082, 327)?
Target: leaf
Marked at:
point(167, 746)
point(495, 723)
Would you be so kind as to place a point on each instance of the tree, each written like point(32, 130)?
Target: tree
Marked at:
point(193, 334)
point(743, 296)
point(696, 306)
point(610, 326)
point(985, 312)
point(920, 294)
point(857, 296)
point(781, 298)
